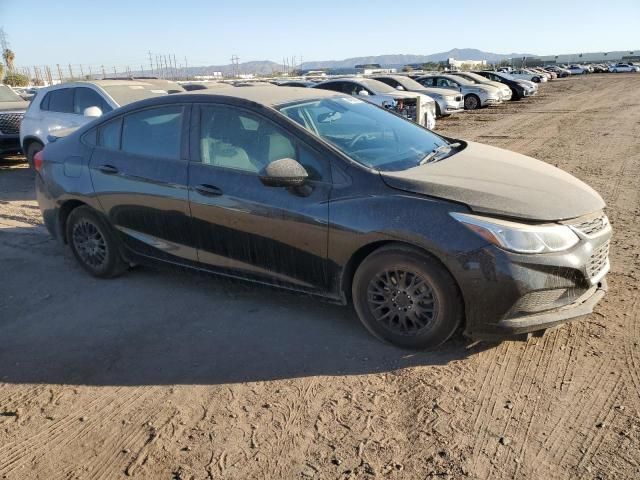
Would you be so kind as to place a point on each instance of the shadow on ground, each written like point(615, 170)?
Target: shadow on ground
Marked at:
point(166, 327)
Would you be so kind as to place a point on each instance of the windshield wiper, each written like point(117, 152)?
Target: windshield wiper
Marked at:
point(446, 148)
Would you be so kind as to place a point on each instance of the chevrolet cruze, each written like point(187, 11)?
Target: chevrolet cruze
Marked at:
point(323, 193)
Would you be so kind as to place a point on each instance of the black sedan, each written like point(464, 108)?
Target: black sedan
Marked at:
point(518, 92)
point(318, 192)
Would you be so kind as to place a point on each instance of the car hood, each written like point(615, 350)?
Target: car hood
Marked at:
point(13, 106)
point(499, 182)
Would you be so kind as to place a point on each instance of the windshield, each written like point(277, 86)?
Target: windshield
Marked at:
point(409, 83)
point(460, 80)
point(506, 75)
point(366, 133)
point(124, 94)
point(475, 77)
point(8, 95)
point(376, 85)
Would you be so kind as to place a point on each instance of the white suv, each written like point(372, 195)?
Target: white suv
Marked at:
point(71, 105)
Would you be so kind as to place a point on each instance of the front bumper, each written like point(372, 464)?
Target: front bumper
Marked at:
point(486, 101)
point(544, 320)
point(507, 293)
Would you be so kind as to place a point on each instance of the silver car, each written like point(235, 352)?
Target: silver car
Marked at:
point(505, 91)
point(447, 102)
point(417, 107)
point(475, 95)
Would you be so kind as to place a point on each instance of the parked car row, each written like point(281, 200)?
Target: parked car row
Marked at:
point(325, 190)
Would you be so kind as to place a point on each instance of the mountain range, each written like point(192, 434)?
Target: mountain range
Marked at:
point(267, 67)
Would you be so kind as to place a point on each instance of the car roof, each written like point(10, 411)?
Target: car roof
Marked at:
point(267, 95)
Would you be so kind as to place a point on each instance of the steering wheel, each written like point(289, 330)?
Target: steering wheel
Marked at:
point(360, 137)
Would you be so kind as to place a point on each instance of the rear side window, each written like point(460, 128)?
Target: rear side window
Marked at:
point(109, 134)
point(87, 97)
point(61, 100)
point(154, 132)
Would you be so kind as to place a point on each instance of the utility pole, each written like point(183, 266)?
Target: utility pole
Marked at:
point(236, 65)
point(59, 73)
point(150, 62)
point(4, 44)
point(186, 68)
point(175, 66)
point(103, 72)
point(81, 71)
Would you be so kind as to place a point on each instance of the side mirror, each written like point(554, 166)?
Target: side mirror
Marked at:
point(399, 87)
point(285, 172)
point(92, 112)
point(363, 93)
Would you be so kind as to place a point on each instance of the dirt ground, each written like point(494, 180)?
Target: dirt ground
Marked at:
point(171, 375)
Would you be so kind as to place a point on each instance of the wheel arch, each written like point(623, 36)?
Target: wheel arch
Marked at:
point(364, 251)
point(28, 140)
point(63, 214)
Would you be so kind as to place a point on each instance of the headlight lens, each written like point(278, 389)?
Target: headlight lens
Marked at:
point(520, 237)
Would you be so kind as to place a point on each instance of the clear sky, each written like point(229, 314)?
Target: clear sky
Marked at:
point(117, 32)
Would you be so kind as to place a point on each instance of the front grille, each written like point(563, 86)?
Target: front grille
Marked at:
point(591, 224)
point(10, 123)
point(541, 300)
point(598, 261)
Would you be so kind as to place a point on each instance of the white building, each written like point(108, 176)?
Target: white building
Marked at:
point(473, 64)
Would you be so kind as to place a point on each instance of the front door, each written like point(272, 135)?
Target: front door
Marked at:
point(139, 170)
point(243, 227)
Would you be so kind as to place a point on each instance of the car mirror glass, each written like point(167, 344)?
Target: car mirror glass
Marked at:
point(92, 112)
point(363, 93)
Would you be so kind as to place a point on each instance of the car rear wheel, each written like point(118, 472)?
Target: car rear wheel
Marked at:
point(471, 102)
point(93, 244)
point(406, 298)
point(32, 149)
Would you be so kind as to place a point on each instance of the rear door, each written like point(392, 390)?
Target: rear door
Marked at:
point(139, 171)
point(244, 227)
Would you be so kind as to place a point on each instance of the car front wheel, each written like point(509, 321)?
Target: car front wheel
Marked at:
point(472, 102)
point(93, 244)
point(406, 298)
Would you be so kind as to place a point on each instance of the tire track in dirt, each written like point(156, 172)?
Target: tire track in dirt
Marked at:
point(71, 428)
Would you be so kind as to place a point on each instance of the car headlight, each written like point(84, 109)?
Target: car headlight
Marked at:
point(520, 237)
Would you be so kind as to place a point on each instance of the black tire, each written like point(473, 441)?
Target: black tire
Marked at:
point(32, 149)
point(93, 244)
point(472, 102)
point(422, 308)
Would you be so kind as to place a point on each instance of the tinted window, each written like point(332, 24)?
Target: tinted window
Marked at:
point(44, 104)
point(427, 82)
point(335, 86)
point(232, 138)
point(109, 134)
point(155, 132)
point(87, 97)
point(61, 100)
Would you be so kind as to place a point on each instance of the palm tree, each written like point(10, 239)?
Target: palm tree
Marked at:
point(9, 57)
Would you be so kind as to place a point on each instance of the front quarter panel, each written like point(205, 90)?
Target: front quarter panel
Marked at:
point(367, 212)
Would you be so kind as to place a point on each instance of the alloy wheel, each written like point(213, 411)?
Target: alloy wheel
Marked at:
point(89, 243)
point(402, 301)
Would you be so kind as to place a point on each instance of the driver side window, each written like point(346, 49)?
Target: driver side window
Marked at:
point(237, 139)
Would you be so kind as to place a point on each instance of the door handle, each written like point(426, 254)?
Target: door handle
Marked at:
point(108, 169)
point(208, 190)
